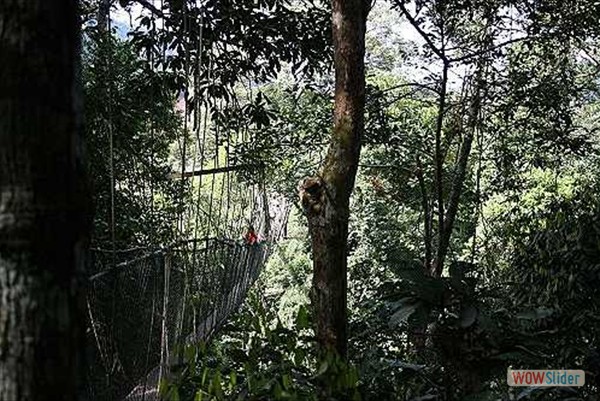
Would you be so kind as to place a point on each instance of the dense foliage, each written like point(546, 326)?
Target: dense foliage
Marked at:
point(474, 236)
point(131, 124)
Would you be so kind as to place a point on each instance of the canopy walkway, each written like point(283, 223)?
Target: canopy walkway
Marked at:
point(143, 309)
point(145, 304)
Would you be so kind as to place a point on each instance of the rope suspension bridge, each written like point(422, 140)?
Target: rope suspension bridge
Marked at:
point(148, 305)
point(145, 303)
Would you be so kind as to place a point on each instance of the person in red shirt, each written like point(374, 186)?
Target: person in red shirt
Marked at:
point(250, 238)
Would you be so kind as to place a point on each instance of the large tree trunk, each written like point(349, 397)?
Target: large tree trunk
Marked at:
point(42, 201)
point(326, 197)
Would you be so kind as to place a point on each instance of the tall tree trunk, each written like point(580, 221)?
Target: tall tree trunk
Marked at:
point(427, 217)
point(42, 201)
point(326, 198)
point(460, 168)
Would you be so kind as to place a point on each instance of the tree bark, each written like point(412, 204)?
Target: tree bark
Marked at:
point(460, 174)
point(42, 201)
point(326, 198)
point(454, 200)
point(427, 218)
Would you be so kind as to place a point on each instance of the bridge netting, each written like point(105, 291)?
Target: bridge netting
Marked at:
point(144, 303)
point(144, 308)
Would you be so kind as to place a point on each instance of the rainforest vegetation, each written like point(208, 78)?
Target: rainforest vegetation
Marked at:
point(439, 162)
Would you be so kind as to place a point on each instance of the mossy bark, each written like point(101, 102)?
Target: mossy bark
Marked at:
point(326, 197)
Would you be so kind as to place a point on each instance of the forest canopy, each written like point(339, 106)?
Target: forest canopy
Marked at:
point(367, 200)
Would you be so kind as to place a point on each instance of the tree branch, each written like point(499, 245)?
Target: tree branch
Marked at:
point(460, 174)
point(424, 35)
point(149, 6)
point(582, 46)
point(427, 237)
point(412, 84)
point(488, 49)
point(439, 167)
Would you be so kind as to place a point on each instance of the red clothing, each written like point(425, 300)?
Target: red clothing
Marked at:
point(251, 238)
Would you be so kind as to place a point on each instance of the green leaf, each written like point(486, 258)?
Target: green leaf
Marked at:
point(352, 377)
point(174, 396)
point(216, 387)
point(402, 314)
point(190, 353)
point(302, 321)
point(277, 390)
point(468, 316)
point(322, 368)
point(535, 314)
point(163, 386)
point(405, 365)
point(299, 356)
point(204, 375)
point(287, 381)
